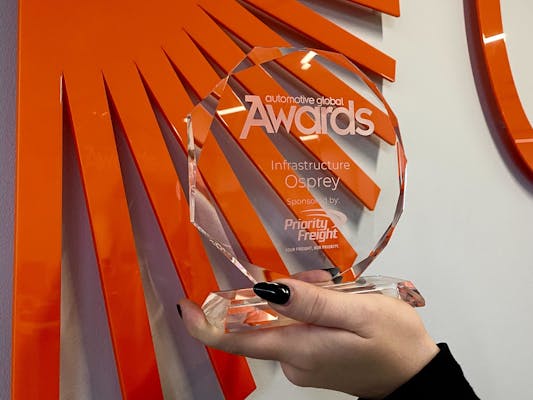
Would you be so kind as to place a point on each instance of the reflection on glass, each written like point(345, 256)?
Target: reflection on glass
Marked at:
point(295, 163)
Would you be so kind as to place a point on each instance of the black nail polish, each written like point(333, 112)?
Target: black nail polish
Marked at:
point(334, 274)
point(179, 310)
point(274, 292)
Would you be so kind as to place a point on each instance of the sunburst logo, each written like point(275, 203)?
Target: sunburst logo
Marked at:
point(103, 72)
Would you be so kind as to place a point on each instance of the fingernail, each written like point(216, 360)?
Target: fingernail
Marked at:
point(334, 274)
point(179, 310)
point(274, 292)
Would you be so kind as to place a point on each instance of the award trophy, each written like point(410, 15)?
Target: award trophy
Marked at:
point(295, 163)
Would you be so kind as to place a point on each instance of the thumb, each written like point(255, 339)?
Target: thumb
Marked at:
point(315, 305)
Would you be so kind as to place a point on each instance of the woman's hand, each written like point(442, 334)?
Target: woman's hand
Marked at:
point(362, 344)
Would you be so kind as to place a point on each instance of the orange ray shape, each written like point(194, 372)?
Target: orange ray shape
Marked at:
point(113, 236)
point(194, 68)
point(37, 259)
point(243, 24)
point(213, 41)
point(517, 127)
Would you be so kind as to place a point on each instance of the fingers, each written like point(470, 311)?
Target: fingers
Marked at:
point(315, 305)
point(197, 325)
point(316, 276)
point(304, 302)
point(266, 344)
point(295, 375)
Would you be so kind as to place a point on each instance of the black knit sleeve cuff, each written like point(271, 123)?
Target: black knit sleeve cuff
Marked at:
point(441, 378)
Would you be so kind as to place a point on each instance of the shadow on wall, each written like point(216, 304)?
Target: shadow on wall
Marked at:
point(8, 66)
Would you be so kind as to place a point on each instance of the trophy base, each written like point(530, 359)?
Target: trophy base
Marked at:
point(241, 309)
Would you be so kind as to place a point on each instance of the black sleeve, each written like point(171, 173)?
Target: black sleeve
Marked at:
point(442, 378)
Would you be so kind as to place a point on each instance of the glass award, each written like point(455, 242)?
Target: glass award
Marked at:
point(296, 164)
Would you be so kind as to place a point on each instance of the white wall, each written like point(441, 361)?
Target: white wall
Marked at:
point(465, 237)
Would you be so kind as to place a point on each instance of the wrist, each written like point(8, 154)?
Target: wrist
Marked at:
point(442, 377)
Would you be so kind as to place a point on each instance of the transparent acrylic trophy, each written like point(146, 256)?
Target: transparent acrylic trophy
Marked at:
point(295, 163)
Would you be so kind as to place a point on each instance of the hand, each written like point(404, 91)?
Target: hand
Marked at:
point(365, 344)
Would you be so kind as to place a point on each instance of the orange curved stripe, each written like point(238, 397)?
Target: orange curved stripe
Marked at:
point(492, 38)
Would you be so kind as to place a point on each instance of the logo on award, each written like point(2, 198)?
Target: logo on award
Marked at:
point(324, 115)
point(316, 227)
